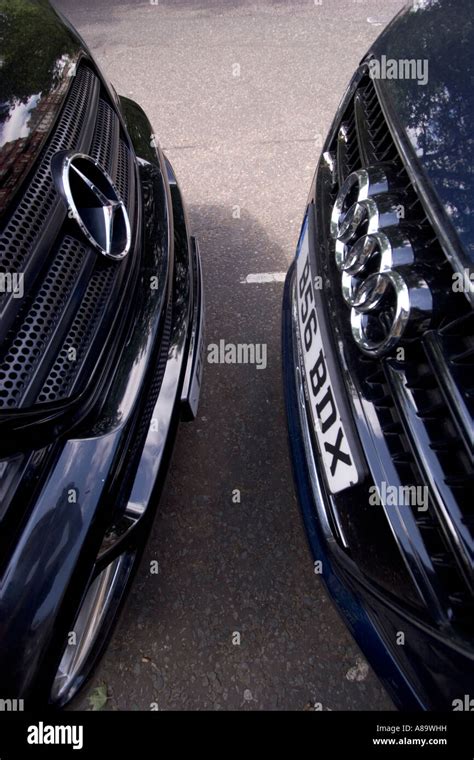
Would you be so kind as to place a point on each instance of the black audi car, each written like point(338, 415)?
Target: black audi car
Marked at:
point(378, 351)
point(100, 354)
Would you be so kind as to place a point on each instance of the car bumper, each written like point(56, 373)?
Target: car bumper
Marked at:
point(65, 580)
point(310, 491)
point(426, 672)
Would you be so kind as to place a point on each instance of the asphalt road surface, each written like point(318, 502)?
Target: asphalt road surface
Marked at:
point(241, 95)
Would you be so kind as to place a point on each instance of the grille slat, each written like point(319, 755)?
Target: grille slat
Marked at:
point(106, 137)
point(25, 352)
point(74, 350)
point(123, 174)
point(450, 516)
point(454, 368)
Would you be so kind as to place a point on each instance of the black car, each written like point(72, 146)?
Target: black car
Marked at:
point(100, 354)
point(378, 349)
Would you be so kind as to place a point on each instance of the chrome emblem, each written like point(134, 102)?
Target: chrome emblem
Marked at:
point(93, 202)
point(375, 253)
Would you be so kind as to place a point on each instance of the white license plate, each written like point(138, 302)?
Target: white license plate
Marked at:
point(337, 458)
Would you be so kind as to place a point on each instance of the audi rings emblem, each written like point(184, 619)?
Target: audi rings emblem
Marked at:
point(375, 253)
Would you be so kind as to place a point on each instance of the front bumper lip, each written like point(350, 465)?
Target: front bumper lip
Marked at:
point(179, 396)
point(195, 363)
point(192, 381)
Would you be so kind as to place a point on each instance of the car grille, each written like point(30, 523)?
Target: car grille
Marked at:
point(420, 408)
point(53, 337)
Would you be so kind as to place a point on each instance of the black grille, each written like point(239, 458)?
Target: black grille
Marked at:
point(423, 404)
point(33, 333)
point(52, 337)
point(106, 136)
point(30, 217)
point(72, 355)
point(122, 174)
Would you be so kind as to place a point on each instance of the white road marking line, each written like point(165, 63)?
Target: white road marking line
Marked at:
point(377, 21)
point(264, 277)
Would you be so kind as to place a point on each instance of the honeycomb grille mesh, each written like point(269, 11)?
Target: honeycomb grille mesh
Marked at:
point(53, 337)
point(104, 136)
point(32, 213)
point(122, 177)
point(71, 356)
point(24, 353)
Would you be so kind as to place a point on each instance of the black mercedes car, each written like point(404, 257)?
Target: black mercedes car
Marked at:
point(378, 351)
point(100, 353)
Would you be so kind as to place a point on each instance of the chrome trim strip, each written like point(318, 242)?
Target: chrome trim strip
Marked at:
point(102, 598)
point(192, 380)
point(444, 502)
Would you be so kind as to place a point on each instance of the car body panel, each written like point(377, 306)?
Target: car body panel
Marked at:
point(433, 665)
point(32, 88)
point(436, 115)
point(95, 487)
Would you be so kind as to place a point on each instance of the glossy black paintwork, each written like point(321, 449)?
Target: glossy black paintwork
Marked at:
point(437, 117)
point(46, 77)
point(38, 57)
point(46, 566)
point(428, 671)
point(433, 667)
point(436, 663)
point(46, 574)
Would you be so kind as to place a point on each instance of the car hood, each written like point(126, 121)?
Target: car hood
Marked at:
point(38, 54)
point(437, 116)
